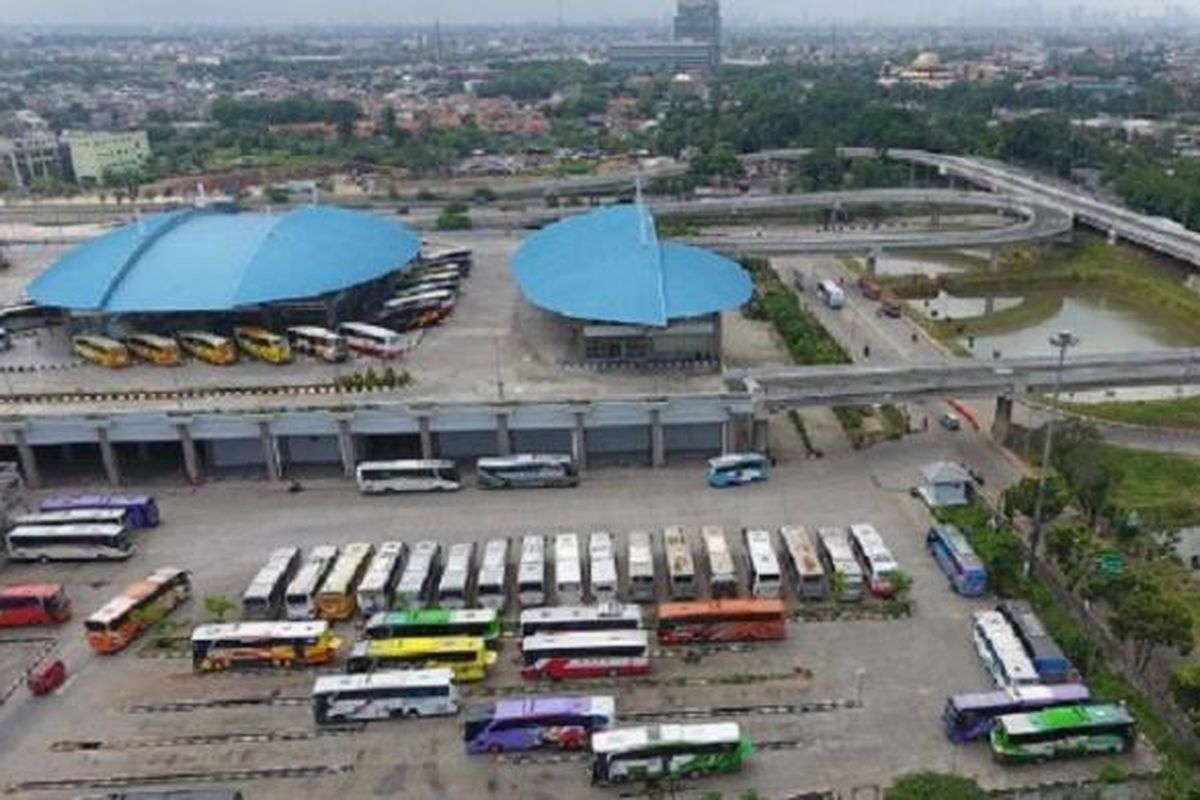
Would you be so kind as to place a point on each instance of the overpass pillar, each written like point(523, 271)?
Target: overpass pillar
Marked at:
point(760, 440)
point(503, 438)
point(579, 440)
point(272, 458)
point(425, 429)
point(346, 446)
point(872, 263)
point(727, 435)
point(1112, 236)
point(994, 260)
point(658, 453)
point(191, 460)
point(1002, 419)
point(108, 455)
point(29, 465)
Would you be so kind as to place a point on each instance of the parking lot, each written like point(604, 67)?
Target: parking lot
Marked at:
point(135, 716)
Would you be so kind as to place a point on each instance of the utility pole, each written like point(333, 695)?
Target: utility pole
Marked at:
point(1063, 340)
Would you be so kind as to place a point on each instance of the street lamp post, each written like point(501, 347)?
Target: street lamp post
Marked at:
point(1063, 340)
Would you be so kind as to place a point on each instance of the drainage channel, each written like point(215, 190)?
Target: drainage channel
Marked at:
point(198, 740)
point(770, 710)
point(576, 756)
point(175, 706)
point(231, 775)
point(643, 683)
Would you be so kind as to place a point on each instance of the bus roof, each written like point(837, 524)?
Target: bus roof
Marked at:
point(203, 336)
point(421, 644)
point(598, 611)
point(347, 565)
point(383, 679)
point(762, 552)
point(626, 739)
point(81, 529)
point(260, 630)
point(521, 459)
point(1065, 717)
point(58, 501)
point(64, 516)
point(31, 590)
point(585, 639)
point(703, 608)
point(133, 594)
point(733, 459)
point(155, 339)
point(368, 329)
point(801, 550)
point(425, 616)
point(408, 463)
point(313, 330)
point(527, 707)
point(958, 543)
point(1016, 695)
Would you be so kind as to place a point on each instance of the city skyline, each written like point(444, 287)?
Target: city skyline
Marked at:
point(267, 13)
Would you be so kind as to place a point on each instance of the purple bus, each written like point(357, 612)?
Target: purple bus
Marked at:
point(527, 723)
point(970, 716)
point(140, 509)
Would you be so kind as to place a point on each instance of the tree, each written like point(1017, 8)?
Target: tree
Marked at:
point(218, 606)
point(901, 584)
point(1022, 497)
point(1185, 686)
point(934, 786)
point(1149, 617)
point(454, 217)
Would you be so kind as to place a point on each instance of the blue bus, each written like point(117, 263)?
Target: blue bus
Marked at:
point(1051, 665)
point(738, 468)
point(956, 558)
point(141, 509)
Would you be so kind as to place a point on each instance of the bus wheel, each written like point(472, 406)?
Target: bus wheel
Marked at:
point(614, 673)
point(495, 749)
point(412, 713)
point(43, 559)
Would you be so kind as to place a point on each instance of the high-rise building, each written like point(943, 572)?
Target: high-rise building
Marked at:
point(700, 21)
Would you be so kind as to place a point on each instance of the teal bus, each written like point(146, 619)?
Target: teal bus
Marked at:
point(668, 751)
point(1063, 732)
point(481, 623)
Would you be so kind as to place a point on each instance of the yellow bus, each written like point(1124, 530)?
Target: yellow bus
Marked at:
point(336, 598)
point(161, 350)
point(468, 656)
point(223, 646)
point(209, 347)
point(263, 344)
point(101, 350)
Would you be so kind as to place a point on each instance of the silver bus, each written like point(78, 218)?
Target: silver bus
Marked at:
point(834, 546)
point(317, 342)
point(437, 475)
point(722, 574)
point(803, 563)
point(419, 576)
point(69, 543)
point(72, 516)
point(386, 694)
point(526, 471)
point(603, 566)
point(302, 591)
point(641, 568)
point(531, 571)
point(681, 566)
point(264, 597)
point(766, 579)
point(568, 570)
point(454, 588)
point(378, 584)
point(491, 581)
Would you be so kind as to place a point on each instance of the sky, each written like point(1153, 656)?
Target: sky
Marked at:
point(392, 12)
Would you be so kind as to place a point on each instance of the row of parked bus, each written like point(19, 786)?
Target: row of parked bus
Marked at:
point(425, 295)
point(521, 471)
point(80, 527)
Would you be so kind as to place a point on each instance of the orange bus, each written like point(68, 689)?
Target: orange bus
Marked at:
point(142, 604)
point(731, 620)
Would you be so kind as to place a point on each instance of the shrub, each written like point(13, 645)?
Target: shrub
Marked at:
point(1185, 686)
point(934, 786)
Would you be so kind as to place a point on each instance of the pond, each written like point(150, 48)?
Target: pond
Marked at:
point(947, 305)
point(889, 266)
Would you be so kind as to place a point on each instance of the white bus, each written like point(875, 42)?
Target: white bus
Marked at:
point(834, 547)
point(585, 644)
point(317, 342)
point(454, 588)
point(373, 340)
point(803, 563)
point(302, 591)
point(336, 599)
point(526, 471)
point(431, 255)
point(641, 568)
point(656, 751)
point(765, 577)
point(72, 516)
point(448, 272)
point(378, 584)
point(877, 561)
point(263, 598)
point(419, 576)
point(378, 477)
point(425, 284)
point(681, 566)
point(1002, 653)
point(599, 617)
point(722, 575)
point(491, 581)
point(831, 294)
point(603, 563)
point(69, 543)
point(531, 571)
point(384, 695)
point(411, 304)
point(568, 570)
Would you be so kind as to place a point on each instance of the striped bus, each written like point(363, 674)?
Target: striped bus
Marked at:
point(735, 620)
point(419, 575)
point(585, 644)
point(641, 583)
point(224, 646)
point(568, 569)
point(336, 598)
point(531, 571)
point(143, 604)
point(599, 617)
point(161, 350)
point(481, 623)
point(668, 751)
point(1001, 651)
point(264, 597)
point(603, 567)
point(834, 546)
point(681, 566)
point(1063, 732)
point(378, 585)
point(300, 599)
point(468, 656)
point(722, 574)
point(766, 579)
point(454, 588)
point(803, 563)
point(208, 347)
point(491, 581)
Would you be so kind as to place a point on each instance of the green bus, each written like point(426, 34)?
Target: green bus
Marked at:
point(668, 751)
point(481, 623)
point(1063, 732)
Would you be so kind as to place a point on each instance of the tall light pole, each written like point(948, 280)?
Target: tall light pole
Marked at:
point(1063, 340)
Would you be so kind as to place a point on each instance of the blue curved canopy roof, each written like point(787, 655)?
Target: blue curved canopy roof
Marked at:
point(213, 259)
point(609, 266)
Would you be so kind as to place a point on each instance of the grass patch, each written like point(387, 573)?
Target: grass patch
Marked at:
point(1030, 311)
point(1164, 487)
point(1183, 412)
point(806, 339)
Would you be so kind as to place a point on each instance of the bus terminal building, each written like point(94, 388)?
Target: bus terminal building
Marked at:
point(629, 298)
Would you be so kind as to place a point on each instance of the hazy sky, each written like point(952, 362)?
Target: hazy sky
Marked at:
point(354, 12)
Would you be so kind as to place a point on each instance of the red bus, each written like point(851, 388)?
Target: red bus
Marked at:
point(562, 668)
point(33, 604)
point(730, 620)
